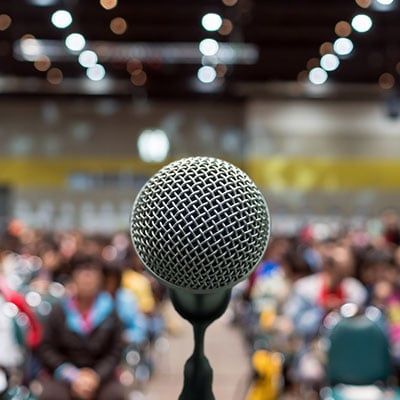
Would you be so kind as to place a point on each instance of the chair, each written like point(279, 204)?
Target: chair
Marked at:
point(358, 365)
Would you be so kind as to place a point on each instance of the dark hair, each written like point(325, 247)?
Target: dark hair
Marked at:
point(374, 257)
point(84, 261)
point(113, 270)
point(296, 261)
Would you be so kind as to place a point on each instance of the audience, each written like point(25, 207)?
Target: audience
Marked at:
point(82, 343)
point(134, 324)
point(303, 284)
point(93, 298)
point(314, 296)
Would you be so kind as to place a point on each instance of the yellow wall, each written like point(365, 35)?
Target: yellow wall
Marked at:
point(24, 172)
point(325, 174)
point(274, 173)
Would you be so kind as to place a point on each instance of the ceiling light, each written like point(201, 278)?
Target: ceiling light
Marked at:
point(364, 3)
point(96, 73)
point(343, 29)
point(209, 47)
point(318, 76)
point(43, 63)
point(330, 62)
point(61, 19)
point(139, 77)
point(54, 76)
point(75, 42)
point(88, 58)
point(108, 4)
point(206, 74)
point(153, 145)
point(226, 27)
point(43, 3)
point(5, 22)
point(313, 62)
point(326, 48)
point(134, 64)
point(384, 5)
point(118, 25)
point(343, 46)
point(211, 22)
point(361, 23)
point(230, 3)
point(386, 81)
point(221, 70)
point(31, 48)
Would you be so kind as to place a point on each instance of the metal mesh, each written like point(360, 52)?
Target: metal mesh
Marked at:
point(200, 224)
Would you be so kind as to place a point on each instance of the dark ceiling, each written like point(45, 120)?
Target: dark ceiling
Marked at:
point(287, 34)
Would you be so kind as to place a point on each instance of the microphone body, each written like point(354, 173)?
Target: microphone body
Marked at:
point(200, 310)
point(200, 226)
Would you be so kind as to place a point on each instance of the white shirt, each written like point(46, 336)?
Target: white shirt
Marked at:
point(10, 351)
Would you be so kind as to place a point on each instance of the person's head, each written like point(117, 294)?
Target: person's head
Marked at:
point(390, 219)
point(87, 276)
point(295, 264)
point(339, 262)
point(133, 260)
point(112, 278)
point(50, 256)
point(382, 290)
point(277, 248)
point(378, 265)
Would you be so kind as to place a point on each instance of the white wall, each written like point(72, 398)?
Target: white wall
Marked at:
point(108, 128)
point(321, 128)
point(324, 129)
point(104, 128)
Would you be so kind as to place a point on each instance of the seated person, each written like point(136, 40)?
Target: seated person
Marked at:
point(139, 285)
point(314, 296)
point(134, 322)
point(82, 343)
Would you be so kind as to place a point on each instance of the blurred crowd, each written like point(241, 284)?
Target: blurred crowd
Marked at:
point(303, 286)
point(79, 318)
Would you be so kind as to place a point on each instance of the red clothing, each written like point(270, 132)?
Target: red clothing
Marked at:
point(329, 296)
point(85, 315)
point(34, 332)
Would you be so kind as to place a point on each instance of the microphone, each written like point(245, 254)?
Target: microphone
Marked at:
point(200, 225)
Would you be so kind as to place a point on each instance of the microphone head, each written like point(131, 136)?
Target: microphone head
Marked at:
point(200, 224)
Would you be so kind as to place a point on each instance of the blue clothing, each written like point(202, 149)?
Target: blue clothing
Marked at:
point(267, 268)
point(74, 339)
point(134, 322)
point(102, 307)
point(305, 315)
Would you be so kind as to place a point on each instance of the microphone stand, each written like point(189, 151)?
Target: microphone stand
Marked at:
point(200, 310)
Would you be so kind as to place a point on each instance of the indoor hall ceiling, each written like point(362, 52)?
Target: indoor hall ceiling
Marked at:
point(154, 49)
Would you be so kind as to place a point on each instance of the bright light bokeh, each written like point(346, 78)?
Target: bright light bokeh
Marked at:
point(88, 58)
point(211, 22)
point(361, 23)
point(61, 19)
point(318, 76)
point(206, 74)
point(385, 2)
point(75, 42)
point(343, 46)
point(330, 62)
point(153, 145)
point(209, 47)
point(96, 73)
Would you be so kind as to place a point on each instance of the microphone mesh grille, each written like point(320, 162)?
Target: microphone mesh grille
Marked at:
point(200, 224)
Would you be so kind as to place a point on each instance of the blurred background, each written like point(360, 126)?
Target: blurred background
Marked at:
point(98, 95)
